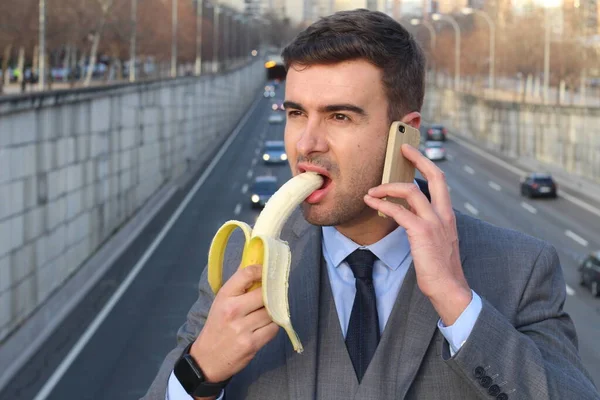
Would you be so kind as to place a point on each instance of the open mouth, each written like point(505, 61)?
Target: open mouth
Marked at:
point(322, 191)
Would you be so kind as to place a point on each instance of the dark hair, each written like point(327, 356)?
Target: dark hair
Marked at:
point(369, 35)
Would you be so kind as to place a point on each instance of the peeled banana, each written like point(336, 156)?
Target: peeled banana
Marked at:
point(263, 246)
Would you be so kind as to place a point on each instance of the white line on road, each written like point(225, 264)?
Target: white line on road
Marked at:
point(471, 209)
point(257, 151)
point(450, 157)
point(495, 186)
point(93, 327)
point(254, 161)
point(469, 169)
point(238, 209)
point(249, 174)
point(570, 291)
point(576, 238)
point(244, 188)
point(529, 207)
point(520, 172)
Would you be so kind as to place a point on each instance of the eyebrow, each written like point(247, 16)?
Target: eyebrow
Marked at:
point(327, 108)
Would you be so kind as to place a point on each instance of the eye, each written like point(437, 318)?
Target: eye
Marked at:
point(294, 113)
point(341, 117)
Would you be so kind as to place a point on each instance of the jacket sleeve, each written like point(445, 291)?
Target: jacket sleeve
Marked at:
point(533, 357)
point(196, 317)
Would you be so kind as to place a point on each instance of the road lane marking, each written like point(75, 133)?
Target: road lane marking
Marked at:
point(257, 151)
point(471, 209)
point(570, 291)
point(576, 238)
point(521, 172)
point(249, 174)
point(495, 186)
point(46, 390)
point(254, 161)
point(238, 209)
point(244, 188)
point(450, 157)
point(469, 169)
point(529, 207)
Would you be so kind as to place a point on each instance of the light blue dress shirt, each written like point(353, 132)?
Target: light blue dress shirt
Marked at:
point(389, 270)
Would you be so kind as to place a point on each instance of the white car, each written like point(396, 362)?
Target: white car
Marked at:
point(434, 150)
point(275, 118)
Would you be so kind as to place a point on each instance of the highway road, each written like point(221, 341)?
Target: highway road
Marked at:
point(120, 358)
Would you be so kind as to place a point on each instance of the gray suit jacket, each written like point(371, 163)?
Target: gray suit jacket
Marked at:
point(522, 340)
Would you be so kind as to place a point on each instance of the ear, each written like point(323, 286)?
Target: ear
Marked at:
point(413, 119)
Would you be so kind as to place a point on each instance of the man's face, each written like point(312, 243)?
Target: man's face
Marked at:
point(337, 124)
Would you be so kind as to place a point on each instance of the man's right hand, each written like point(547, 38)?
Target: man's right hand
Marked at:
point(237, 326)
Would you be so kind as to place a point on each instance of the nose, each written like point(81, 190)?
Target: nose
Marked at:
point(312, 140)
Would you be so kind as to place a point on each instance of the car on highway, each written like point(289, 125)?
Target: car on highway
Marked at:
point(539, 184)
point(276, 118)
point(436, 132)
point(433, 150)
point(277, 105)
point(589, 272)
point(269, 91)
point(274, 152)
point(262, 189)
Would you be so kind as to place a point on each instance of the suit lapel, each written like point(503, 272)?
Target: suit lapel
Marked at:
point(303, 297)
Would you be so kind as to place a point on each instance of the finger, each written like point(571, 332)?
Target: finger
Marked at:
point(401, 215)
point(242, 280)
point(436, 179)
point(250, 301)
point(257, 319)
point(264, 335)
point(411, 193)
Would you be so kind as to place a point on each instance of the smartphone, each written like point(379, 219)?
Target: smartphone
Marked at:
point(396, 168)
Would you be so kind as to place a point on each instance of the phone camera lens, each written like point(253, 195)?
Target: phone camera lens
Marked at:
point(401, 129)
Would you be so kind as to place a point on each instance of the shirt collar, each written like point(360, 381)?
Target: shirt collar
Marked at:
point(392, 249)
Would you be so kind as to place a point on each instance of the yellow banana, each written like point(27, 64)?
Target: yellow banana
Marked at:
point(263, 246)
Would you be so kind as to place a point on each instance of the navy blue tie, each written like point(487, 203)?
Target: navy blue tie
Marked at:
point(362, 337)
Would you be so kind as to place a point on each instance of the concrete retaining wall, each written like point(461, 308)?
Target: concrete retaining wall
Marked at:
point(76, 165)
point(568, 137)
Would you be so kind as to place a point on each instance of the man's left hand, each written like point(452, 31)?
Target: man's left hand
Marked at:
point(432, 234)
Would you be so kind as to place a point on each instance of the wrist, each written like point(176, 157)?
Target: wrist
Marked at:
point(451, 302)
point(201, 358)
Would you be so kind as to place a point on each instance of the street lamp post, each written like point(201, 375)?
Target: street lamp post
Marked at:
point(440, 17)
point(174, 39)
point(132, 45)
point(430, 28)
point(492, 26)
point(199, 11)
point(42, 50)
point(216, 38)
point(546, 54)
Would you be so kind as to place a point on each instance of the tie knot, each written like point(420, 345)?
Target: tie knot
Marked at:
point(361, 263)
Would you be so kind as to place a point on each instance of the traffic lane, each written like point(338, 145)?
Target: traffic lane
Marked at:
point(580, 221)
point(583, 309)
point(576, 238)
point(503, 208)
point(513, 176)
point(124, 355)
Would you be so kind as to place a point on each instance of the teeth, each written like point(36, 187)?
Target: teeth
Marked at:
point(264, 247)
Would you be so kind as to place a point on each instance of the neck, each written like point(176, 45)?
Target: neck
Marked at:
point(368, 228)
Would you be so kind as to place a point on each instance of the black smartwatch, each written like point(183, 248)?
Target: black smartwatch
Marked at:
point(191, 377)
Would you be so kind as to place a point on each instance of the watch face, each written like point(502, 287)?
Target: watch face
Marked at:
point(186, 374)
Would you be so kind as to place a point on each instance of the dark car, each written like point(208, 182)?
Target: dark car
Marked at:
point(274, 152)
point(589, 271)
point(262, 189)
point(436, 132)
point(538, 185)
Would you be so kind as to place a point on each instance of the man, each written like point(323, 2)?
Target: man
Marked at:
point(427, 303)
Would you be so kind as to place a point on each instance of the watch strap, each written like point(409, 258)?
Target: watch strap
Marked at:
point(200, 388)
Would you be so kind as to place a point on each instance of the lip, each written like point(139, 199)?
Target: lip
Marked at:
point(304, 167)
